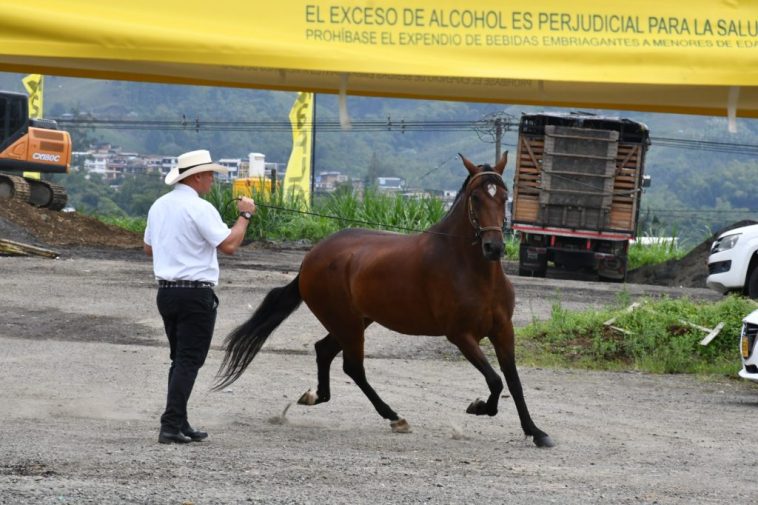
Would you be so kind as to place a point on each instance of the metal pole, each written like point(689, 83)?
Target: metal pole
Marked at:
point(313, 150)
point(498, 138)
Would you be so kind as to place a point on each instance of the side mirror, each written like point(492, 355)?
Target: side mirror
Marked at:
point(646, 181)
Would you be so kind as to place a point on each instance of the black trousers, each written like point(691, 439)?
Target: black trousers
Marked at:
point(189, 316)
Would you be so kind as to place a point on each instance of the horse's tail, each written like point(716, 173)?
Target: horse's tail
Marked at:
point(246, 340)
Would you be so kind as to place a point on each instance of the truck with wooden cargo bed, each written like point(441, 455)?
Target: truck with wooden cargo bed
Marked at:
point(576, 192)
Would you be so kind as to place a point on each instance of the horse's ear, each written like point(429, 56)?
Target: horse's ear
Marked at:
point(472, 169)
point(501, 164)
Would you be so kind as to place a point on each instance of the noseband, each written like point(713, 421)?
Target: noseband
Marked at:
point(478, 229)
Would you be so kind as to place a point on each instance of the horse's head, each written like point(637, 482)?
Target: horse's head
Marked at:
point(485, 196)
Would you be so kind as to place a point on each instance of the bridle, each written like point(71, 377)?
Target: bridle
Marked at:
point(478, 229)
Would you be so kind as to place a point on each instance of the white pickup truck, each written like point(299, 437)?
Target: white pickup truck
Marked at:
point(733, 263)
point(748, 337)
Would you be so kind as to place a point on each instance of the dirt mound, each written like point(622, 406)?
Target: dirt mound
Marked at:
point(689, 271)
point(24, 223)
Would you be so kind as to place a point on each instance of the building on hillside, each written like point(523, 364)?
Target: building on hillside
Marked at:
point(233, 164)
point(134, 164)
point(111, 163)
point(167, 163)
point(327, 182)
point(153, 164)
point(97, 163)
point(390, 184)
point(257, 166)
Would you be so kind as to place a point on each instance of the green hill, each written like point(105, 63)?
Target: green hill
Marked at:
point(693, 191)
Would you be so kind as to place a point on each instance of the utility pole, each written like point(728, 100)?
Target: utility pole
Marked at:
point(313, 150)
point(498, 137)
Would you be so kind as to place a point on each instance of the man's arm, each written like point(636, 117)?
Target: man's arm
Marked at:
point(148, 250)
point(234, 240)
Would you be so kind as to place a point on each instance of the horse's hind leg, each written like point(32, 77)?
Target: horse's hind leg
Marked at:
point(326, 350)
point(504, 348)
point(352, 355)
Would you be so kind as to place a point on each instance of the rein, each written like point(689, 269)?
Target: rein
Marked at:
point(473, 219)
point(338, 218)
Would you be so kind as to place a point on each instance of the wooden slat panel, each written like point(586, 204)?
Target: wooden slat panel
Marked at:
point(528, 176)
point(526, 210)
point(621, 221)
point(622, 185)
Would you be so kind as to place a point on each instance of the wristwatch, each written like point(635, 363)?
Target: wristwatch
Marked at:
point(247, 215)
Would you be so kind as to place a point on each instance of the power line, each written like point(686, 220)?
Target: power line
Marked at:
point(401, 126)
point(697, 211)
point(389, 125)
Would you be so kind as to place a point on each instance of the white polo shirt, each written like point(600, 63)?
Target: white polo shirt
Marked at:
point(184, 231)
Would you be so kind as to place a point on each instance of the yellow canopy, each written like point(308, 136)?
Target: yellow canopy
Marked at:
point(683, 56)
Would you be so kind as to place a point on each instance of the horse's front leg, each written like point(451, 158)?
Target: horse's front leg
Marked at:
point(503, 342)
point(469, 347)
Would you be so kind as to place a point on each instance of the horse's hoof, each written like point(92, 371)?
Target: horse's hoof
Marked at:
point(308, 398)
point(545, 441)
point(478, 407)
point(400, 426)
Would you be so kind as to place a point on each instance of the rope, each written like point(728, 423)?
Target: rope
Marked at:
point(477, 228)
point(356, 221)
point(337, 218)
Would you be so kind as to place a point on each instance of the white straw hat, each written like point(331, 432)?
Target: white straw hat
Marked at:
point(193, 162)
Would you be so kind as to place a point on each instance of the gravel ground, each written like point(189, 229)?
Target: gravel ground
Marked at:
point(83, 367)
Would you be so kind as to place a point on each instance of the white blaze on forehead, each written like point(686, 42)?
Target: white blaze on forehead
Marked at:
point(491, 189)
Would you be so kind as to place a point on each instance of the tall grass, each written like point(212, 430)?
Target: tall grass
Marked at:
point(280, 218)
point(641, 255)
point(133, 224)
point(656, 337)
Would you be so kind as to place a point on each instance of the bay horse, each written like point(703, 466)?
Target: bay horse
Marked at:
point(446, 281)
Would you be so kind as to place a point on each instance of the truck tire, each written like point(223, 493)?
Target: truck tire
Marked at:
point(527, 272)
point(752, 284)
point(524, 271)
point(602, 278)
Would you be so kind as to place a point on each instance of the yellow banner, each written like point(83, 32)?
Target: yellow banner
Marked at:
point(688, 56)
point(297, 178)
point(33, 85)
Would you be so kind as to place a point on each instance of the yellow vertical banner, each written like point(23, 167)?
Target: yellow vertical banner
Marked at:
point(33, 85)
point(297, 178)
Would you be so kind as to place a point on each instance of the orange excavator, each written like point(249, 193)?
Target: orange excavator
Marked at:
point(31, 145)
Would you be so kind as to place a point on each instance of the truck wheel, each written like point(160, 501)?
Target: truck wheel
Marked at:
point(602, 278)
point(528, 272)
point(752, 284)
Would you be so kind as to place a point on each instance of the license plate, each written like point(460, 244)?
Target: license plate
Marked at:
point(745, 347)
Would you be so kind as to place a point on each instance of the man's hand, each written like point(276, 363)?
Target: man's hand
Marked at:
point(245, 204)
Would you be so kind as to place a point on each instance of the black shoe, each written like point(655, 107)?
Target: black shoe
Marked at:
point(166, 437)
point(195, 435)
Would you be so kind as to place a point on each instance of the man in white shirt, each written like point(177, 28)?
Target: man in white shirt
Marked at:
point(182, 235)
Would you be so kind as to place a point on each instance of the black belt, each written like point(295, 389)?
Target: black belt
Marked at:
point(184, 284)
